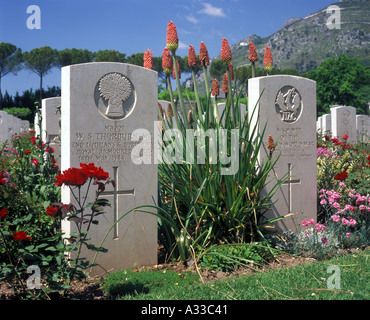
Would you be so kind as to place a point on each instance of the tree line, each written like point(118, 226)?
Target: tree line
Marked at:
point(42, 60)
point(343, 80)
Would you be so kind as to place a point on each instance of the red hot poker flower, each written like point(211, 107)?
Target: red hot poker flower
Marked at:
point(148, 59)
point(21, 235)
point(267, 61)
point(225, 84)
point(215, 88)
point(178, 70)
point(172, 39)
point(203, 54)
point(192, 57)
point(231, 70)
point(225, 51)
point(166, 61)
point(252, 52)
point(3, 213)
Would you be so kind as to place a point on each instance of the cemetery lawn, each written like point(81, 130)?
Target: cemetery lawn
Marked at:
point(293, 278)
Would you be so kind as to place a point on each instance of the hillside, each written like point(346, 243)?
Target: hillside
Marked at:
point(303, 43)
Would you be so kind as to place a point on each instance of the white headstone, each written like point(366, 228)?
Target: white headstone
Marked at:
point(102, 105)
point(319, 125)
point(363, 128)
point(222, 111)
point(50, 125)
point(326, 124)
point(36, 125)
point(343, 121)
point(288, 105)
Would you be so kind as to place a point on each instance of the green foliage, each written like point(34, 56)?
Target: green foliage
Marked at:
point(68, 57)
point(341, 81)
point(28, 99)
point(230, 257)
point(22, 113)
point(110, 56)
point(204, 205)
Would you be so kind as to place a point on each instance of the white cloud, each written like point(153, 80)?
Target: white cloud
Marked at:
point(211, 10)
point(183, 45)
point(192, 19)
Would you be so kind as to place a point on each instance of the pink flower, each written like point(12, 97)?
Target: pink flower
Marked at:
point(345, 136)
point(348, 234)
point(345, 221)
point(361, 199)
point(323, 201)
point(308, 223)
point(319, 227)
point(342, 184)
point(336, 205)
point(349, 207)
point(352, 222)
point(335, 218)
point(362, 207)
point(324, 240)
point(307, 234)
point(340, 211)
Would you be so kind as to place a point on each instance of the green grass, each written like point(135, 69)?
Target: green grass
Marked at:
point(305, 282)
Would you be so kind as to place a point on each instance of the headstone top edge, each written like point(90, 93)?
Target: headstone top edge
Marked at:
point(273, 77)
point(118, 64)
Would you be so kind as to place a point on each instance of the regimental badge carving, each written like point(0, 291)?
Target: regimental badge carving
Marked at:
point(114, 96)
point(288, 104)
point(346, 117)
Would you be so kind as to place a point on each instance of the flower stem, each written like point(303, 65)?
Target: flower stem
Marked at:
point(181, 99)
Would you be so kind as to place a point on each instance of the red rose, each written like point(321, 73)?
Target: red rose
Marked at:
point(51, 210)
point(72, 177)
point(3, 213)
point(21, 235)
point(94, 172)
point(28, 151)
point(341, 176)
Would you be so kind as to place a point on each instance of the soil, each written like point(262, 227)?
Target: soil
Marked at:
point(90, 289)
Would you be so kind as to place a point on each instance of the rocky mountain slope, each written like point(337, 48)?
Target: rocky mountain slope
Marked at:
point(303, 43)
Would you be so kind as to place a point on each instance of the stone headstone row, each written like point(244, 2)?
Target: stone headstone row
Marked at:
point(344, 120)
point(11, 126)
point(103, 105)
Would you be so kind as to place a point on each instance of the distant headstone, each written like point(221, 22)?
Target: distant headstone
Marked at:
point(363, 128)
point(50, 125)
point(4, 129)
point(222, 111)
point(102, 106)
point(326, 124)
point(288, 105)
point(319, 125)
point(343, 121)
point(36, 125)
point(24, 126)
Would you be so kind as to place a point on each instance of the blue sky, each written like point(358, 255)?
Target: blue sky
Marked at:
point(134, 26)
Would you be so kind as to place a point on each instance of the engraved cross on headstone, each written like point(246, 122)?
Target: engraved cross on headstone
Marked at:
point(115, 193)
point(289, 183)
